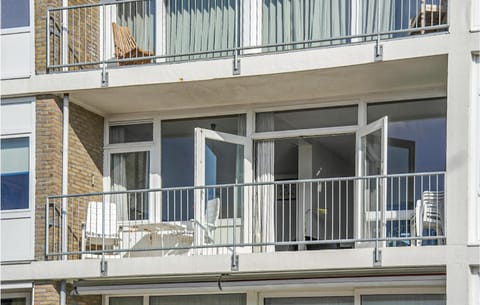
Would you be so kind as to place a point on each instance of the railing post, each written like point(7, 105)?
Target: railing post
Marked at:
point(234, 247)
point(47, 43)
point(103, 263)
point(376, 258)
point(47, 220)
point(378, 47)
point(104, 46)
point(237, 22)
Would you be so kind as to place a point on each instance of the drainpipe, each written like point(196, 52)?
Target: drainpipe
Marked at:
point(66, 115)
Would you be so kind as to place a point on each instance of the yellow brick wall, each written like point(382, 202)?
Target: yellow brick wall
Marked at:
point(48, 293)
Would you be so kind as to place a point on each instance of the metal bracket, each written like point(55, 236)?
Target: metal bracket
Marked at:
point(236, 66)
point(378, 52)
point(103, 267)
point(104, 79)
point(234, 262)
point(377, 257)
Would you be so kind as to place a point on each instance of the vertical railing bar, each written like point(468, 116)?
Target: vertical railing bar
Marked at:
point(47, 31)
point(311, 210)
point(377, 229)
point(318, 210)
point(326, 210)
point(406, 202)
point(332, 204)
point(234, 250)
point(283, 209)
point(438, 211)
point(339, 209)
point(47, 229)
point(168, 206)
point(430, 190)
point(290, 212)
point(346, 209)
point(414, 203)
point(302, 233)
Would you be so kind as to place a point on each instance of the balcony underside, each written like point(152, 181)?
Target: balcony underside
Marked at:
point(416, 77)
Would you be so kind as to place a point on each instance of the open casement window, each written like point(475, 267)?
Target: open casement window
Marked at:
point(221, 212)
point(372, 141)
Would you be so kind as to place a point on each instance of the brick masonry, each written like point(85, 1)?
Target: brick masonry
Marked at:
point(84, 167)
point(48, 293)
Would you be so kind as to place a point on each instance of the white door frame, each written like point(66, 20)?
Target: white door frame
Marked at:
point(201, 135)
point(382, 125)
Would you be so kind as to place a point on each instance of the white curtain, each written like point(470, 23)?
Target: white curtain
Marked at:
point(302, 20)
point(139, 17)
point(206, 299)
point(200, 25)
point(378, 11)
point(118, 177)
point(264, 225)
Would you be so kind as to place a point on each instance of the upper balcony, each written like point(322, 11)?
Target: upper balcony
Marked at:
point(149, 32)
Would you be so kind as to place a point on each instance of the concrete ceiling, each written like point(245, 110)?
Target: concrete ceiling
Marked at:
point(342, 82)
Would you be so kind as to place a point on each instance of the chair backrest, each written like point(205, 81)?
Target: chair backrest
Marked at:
point(212, 212)
point(433, 209)
point(123, 41)
point(94, 224)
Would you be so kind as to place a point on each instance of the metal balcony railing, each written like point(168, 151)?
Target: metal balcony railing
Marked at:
point(104, 35)
point(405, 210)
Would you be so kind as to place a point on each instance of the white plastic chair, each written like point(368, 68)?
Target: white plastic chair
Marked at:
point(211, 215)
point(92, 230)
point(429, 214)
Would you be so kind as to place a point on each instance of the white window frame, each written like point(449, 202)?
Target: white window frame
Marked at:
point(31, 134)
point(154, 212)
point(13, 295)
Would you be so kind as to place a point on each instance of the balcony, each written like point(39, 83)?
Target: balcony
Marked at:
point(107, 35)
point(403, 210)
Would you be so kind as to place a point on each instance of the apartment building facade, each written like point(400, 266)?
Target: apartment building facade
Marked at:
point(240, 152)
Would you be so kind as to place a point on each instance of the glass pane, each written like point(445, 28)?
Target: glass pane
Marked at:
point(14, 301)
point(224, 165)
point(306, 118)
point(200, 26)
point(15, 13)
point(413, 299)
point(139, 18)
point(310, 301)
point(15, 155)
point(131, 133)
point(372, 149)
point(126, 301)
point(178, 159)
point(130, 171)
point(211, 299)
point(15, 173)
point(299, 20)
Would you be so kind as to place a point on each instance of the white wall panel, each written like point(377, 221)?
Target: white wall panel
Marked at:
point(16, 56)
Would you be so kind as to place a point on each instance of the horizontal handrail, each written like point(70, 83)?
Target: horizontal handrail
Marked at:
point(247, 184)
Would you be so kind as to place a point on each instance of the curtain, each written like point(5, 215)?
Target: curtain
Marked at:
point(118, 177)
point(413, 299)
point(129, 171)
point(264, 204)
point(206, 299)
point(369, 16)
point(310, 301)
point(139, 17)
point(301, 20)
point(200, 25)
